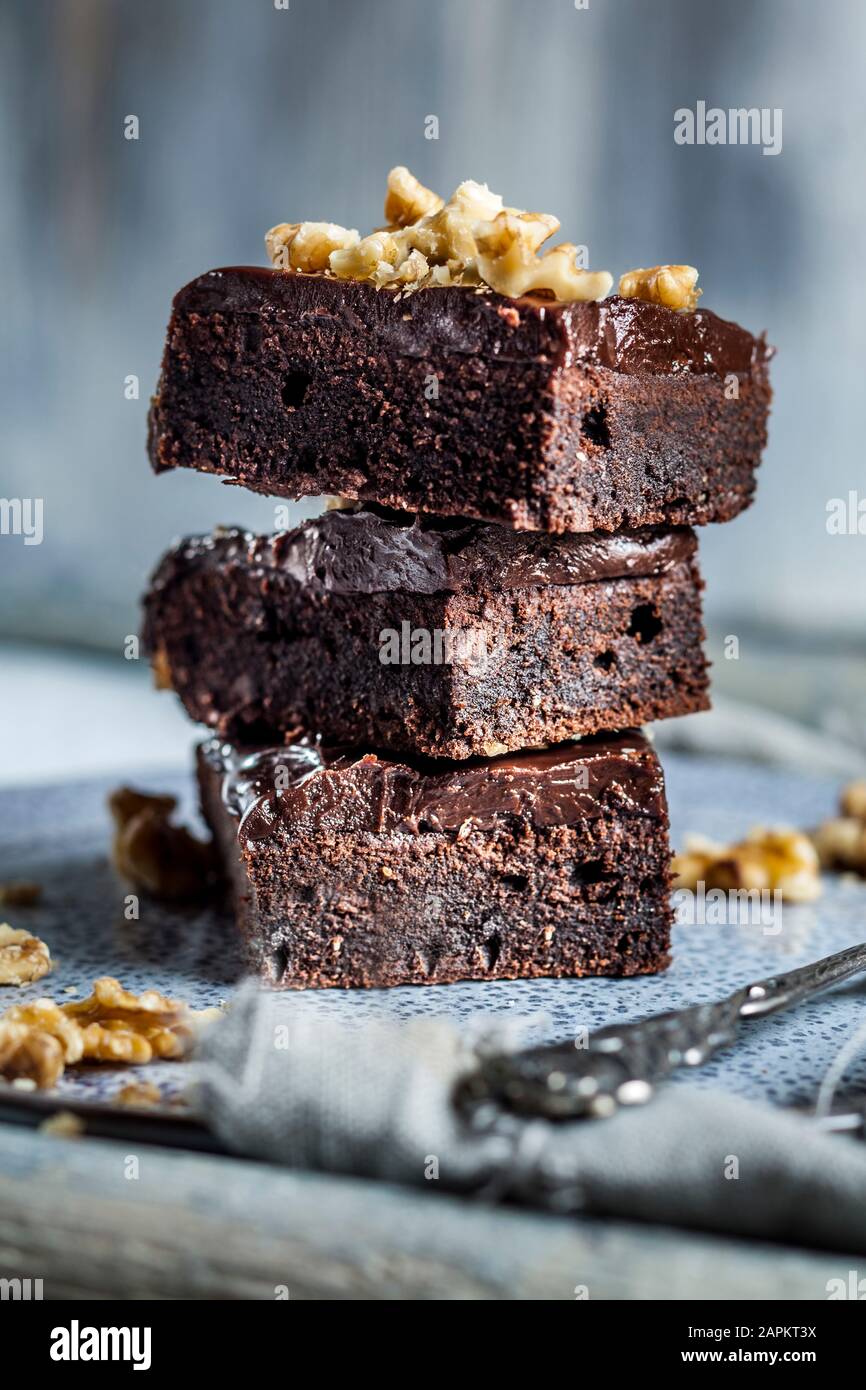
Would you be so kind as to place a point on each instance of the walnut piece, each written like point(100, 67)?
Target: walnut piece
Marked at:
point(113, 1041)
point(508, 260)
point(27, 1053)
point(670, 285)
point(44, 1016)
point(20, 893)
point(841, 844)
point(407, 200)
point(779, 860)
point(841, 841)
point(23, 957)
point(110, 1000)
point(139, 1095)
point(39, 1038)
point(375, 257)
point(473, 239)
point(120, 1026)
point(63, 1125)
point(155, 855)
point(853, 800)
point(307, 246)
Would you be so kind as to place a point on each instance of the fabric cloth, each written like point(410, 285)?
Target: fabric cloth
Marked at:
point(276, 1083)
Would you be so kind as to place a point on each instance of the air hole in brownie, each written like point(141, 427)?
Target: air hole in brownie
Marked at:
point(492, 950)
point(256, 733)
point(295, 389)
point(516, 881)
point(594, 428)
point(605, 661)
point(253, 338)
point(590, 872)
point(279, 963)
point(645, 623)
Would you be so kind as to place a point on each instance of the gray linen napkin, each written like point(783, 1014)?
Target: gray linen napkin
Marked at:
point(277, 1083)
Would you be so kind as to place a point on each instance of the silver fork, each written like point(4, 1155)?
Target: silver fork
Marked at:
point(621, 1064)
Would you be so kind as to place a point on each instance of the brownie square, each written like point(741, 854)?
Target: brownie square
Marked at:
point(349, 869)
point(462, 402)
point(444, 639)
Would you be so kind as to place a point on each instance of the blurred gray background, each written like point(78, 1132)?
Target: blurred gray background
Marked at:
point(250, 115)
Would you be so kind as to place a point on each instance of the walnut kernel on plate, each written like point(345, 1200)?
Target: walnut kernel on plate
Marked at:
point(28, 1054)
point(119, 1026)
point(138, 1095)
point(44, 1016)
point(23, 957)
point(779, 860)
point(155, 855)
point(841, 841)
point(39, 1039)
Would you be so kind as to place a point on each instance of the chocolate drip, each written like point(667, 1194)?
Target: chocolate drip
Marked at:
point(372, 551)
point(336, 791)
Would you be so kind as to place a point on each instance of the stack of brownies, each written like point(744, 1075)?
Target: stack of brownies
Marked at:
point(424, 764)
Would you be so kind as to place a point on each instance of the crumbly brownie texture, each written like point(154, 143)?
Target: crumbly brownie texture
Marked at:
point(360, 871)
point(540, 415)
point(552, 637)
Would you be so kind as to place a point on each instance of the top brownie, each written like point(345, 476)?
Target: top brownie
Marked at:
point(461, 401)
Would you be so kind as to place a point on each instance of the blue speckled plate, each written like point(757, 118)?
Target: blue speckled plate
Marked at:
point(59, 836)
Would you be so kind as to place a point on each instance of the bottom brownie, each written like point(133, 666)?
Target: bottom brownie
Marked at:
point(350, 869)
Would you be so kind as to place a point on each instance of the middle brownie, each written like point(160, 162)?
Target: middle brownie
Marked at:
point(437, 637)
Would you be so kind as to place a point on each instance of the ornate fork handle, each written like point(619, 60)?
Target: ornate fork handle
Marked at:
point(781, 991)
point(620, 1064)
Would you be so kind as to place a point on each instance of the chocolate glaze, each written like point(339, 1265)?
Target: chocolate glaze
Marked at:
point(371, 551)
point(339, 791)
point(624, 335)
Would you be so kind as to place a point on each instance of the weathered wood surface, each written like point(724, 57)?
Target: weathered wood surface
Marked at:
point(213, 1228)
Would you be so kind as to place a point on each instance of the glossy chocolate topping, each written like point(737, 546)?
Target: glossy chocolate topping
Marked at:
point(625, 335)
point(372, 551)
point(333, 791)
